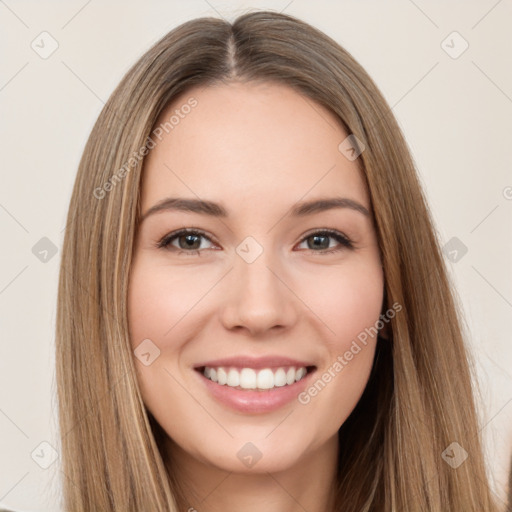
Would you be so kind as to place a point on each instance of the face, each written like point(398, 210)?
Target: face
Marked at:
point(262, 289)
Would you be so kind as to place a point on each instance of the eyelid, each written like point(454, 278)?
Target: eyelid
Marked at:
point(164, 242)
point(345, 241)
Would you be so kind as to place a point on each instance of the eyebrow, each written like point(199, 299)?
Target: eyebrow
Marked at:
point(216, 210)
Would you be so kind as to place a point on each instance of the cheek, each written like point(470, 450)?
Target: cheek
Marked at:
point(159, 298)
point(164, 306)
point(348, 301)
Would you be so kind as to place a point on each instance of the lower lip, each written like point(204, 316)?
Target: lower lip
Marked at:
point(254, 401)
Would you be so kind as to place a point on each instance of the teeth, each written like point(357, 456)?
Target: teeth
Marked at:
point(280, 378)
point(233, 378)
point(247, 378)
point(300, 373)
point(265, 379)
point(222, 376)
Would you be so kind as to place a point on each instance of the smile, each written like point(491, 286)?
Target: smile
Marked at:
point(249, 378)
point(254, 385)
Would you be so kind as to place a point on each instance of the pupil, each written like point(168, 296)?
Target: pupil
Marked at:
point(316, 237)
point(190, 241)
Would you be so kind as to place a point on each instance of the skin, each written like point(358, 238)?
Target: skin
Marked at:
point(257, 149)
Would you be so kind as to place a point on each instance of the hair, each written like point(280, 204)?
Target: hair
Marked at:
point(419, 398)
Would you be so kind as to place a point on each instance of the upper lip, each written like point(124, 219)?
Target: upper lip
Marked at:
point(255, 362)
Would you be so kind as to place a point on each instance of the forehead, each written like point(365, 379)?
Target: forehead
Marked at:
point(240, 142)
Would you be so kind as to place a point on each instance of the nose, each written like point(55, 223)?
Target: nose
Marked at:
point(258, 298)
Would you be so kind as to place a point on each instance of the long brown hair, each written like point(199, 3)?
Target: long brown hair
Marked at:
point(419, 399)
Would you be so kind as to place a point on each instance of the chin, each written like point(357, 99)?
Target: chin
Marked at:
point(249, 460)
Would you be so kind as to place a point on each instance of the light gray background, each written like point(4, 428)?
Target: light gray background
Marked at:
point(455, 113)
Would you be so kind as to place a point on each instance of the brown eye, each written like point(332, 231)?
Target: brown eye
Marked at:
point(319, 241)
point(189, 241)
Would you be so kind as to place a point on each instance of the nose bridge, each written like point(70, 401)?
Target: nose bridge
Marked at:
point(258, 297)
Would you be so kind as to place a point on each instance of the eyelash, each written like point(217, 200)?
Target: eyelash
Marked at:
point(164, 243)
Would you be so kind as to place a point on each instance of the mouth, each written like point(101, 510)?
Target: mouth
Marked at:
point(255, 390)
point(255, 379)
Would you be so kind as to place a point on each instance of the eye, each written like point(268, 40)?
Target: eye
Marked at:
point(189, 241)
point(319, 239)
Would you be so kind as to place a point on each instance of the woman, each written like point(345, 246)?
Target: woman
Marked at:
point(212, 350)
